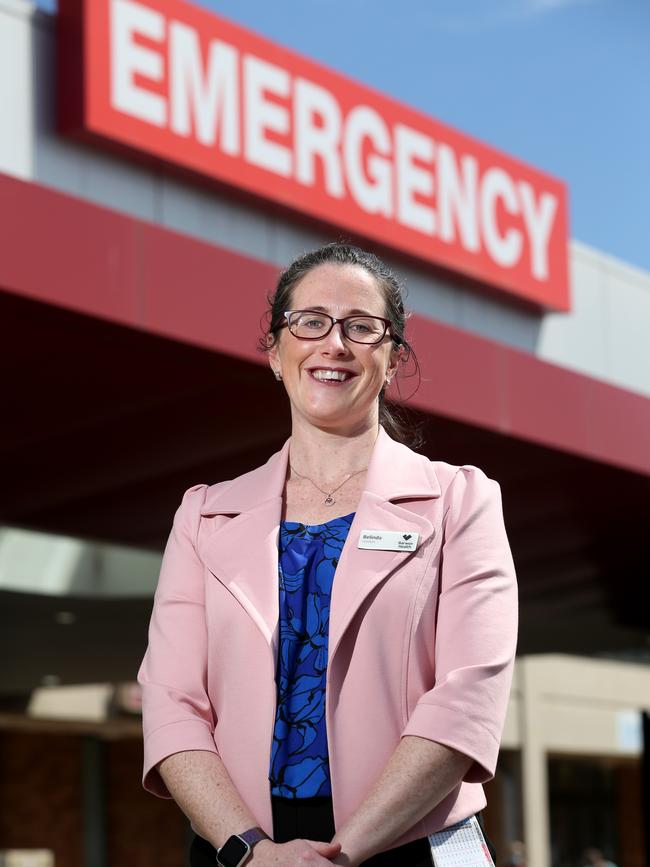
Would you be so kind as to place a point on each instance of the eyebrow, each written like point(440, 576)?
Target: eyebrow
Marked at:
point(356, 311)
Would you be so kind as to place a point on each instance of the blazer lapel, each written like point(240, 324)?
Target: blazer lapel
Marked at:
point(243, 553)
point(359, 571)
point(395, 473)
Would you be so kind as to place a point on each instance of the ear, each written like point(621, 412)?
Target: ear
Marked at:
point(396, 355)
point(274, 361)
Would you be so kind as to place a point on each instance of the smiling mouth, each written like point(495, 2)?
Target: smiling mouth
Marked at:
point(331, 377)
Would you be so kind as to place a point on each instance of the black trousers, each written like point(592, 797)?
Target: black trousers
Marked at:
point(313, 819)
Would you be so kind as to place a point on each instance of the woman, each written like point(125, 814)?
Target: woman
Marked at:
point(333, 634)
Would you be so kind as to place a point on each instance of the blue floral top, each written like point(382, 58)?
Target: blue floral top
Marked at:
point(308, 556)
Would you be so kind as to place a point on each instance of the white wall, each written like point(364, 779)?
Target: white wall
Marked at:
point(606, 333)
point(16, 89)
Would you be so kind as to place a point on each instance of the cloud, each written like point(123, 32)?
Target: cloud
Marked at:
point(477, 16)
point(535, 7)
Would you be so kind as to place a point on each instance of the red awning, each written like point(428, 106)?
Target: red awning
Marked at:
point(85, 258)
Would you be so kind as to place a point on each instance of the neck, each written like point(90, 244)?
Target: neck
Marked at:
point(323, 454)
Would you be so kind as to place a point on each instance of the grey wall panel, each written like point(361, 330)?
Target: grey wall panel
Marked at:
point(111, 183)
point(499, 320)
point(430, 296)
point(183, 209)
point(219, 220)
point(242, 228)
point(287, 245)
point(57, 162)
point(74, 168)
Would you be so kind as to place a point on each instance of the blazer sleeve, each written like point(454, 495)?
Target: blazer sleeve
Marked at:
point(476, 630)
point(176, 711)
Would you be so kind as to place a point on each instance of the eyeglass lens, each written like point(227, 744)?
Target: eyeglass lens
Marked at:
point(361, 329)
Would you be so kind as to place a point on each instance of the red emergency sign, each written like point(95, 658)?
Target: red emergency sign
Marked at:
point(185, 86)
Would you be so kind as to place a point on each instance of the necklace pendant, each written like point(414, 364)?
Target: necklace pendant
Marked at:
point(329, 499)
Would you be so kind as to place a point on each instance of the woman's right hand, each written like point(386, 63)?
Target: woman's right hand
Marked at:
point(295, 853)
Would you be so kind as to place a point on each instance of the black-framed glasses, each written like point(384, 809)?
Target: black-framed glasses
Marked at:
point(314, 325)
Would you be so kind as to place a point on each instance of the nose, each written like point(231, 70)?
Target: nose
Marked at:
point(335, 341)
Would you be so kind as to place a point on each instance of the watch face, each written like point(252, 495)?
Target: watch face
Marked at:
point(233, 851)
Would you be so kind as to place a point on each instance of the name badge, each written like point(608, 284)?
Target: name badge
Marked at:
point(388, 540)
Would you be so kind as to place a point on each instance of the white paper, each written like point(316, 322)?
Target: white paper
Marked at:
point(460, 845)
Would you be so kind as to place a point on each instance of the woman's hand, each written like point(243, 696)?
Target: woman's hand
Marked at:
point(296, 853)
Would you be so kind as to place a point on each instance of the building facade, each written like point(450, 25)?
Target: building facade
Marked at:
point(147, 203)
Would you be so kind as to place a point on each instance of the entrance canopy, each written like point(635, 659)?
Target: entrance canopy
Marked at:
point(133, 373)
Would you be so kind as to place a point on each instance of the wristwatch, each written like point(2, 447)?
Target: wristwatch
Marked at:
point(237, 849)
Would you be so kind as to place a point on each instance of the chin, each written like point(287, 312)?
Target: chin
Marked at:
point(335, 414)
point(329, 419)
point(336, 420)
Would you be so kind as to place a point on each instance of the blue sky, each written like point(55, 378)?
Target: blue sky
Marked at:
point(561, 84)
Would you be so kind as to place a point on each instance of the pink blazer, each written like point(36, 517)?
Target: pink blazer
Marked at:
point(420, 643)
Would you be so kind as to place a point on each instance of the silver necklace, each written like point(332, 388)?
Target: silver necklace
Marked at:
point(329, 499)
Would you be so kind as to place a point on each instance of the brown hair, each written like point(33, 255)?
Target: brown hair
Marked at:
point(396, 420)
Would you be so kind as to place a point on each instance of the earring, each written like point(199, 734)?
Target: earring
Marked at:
point(278, 375)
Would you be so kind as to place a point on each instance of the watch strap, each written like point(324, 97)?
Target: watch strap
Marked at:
point(253, 835)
